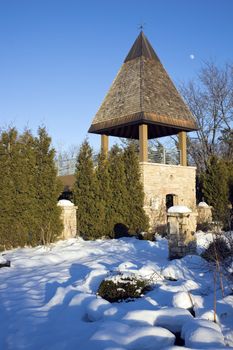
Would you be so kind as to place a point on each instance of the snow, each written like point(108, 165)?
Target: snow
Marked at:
point(182, 300)
point(116, 334)
point(2, 260)
point(65, 203)
point(180, 209)
point(203, 205)
point(48, 298)
point(202, 334)
point(163, 318)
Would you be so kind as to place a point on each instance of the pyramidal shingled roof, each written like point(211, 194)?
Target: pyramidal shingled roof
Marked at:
point(142, 93)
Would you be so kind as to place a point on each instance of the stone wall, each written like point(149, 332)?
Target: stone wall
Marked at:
point(160, 180)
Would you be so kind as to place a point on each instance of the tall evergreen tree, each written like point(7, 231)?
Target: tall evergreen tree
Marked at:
point(137, 219)
point(9, 167)
point(25, 193)
point(17, 189)
point(48, 189)
point(118, 206)
point(90, 210)
point(216, 188)
point(104, 193)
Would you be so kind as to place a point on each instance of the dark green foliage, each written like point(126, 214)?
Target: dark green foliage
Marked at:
point(146, 236)
point(104, 195)
point(109, 196)
point(122, 289)
point(218, 250)
point(90, 210)
point(120, 230)
point(118, 204)
point(216, 188)
point(24, 208)
point(205, 226)
point(48, 189)
point(137, 220)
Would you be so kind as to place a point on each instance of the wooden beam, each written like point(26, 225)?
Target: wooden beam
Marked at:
point(183, 148)
point(104, 144)
point(143, 143)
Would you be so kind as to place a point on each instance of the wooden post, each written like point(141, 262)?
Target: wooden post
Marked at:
point(143, 143)
point(104, 144)
point(183, 148)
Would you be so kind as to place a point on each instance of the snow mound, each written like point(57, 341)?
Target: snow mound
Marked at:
point(203, 205)
point(96, 309)
point(182, 300)
point(202, 334)
point(117, 335)
point(65, 203)
point(126, 266)
point(2, 260)
point(171, 272)
point(180, 209)
point(172, 319)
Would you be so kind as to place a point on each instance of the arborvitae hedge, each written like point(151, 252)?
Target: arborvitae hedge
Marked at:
point(216, 188)
point(119, 206)
point(48, 188)
point(104, 195)
point(90, 209)
point(137, 220)
point(109, 194)
point(28, 190)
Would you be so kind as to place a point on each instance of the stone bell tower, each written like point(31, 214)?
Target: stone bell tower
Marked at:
point(143, 104)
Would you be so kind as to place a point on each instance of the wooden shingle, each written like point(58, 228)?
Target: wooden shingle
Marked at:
point(142, 93)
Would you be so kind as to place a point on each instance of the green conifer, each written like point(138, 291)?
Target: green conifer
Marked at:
point(8, 164)
point(137, 219)
point(48, 188)
point(90, 211)
point(104, 193)
point(216, 188)
point(118, 208)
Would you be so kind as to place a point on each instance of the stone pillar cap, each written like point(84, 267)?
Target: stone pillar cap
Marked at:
point(65, 203)
point(179, 209)
point(203, 205)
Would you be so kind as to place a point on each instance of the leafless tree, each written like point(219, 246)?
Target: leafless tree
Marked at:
point(210, 99)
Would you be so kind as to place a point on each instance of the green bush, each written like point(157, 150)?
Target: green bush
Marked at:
point(146, 236)
point(217, 250)
point(122, 288)
point(205, 226)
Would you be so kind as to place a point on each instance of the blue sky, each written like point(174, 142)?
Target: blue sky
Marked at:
point(59, 57)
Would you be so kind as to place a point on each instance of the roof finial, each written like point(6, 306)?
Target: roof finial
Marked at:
point(141, 26)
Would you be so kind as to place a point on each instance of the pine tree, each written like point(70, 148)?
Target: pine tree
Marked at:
point(137, 219)
point(104, 193)
point(8, 165)
point(118, 208)
point(25, 194)
point(16, 193)
point(90, 211)
point(48, 188)
point(216, 188)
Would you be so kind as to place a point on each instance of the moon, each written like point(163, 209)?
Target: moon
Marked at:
point(192, 56)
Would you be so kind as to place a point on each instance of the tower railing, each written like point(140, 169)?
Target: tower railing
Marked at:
point(164, 156)
point(161, 156)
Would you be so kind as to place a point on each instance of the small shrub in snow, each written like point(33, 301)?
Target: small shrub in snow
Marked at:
point(218, 249)
point(122, 287)
point(204, 226)
point(147, 236)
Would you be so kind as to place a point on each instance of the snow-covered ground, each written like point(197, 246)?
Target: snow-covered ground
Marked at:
point(48, 299)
